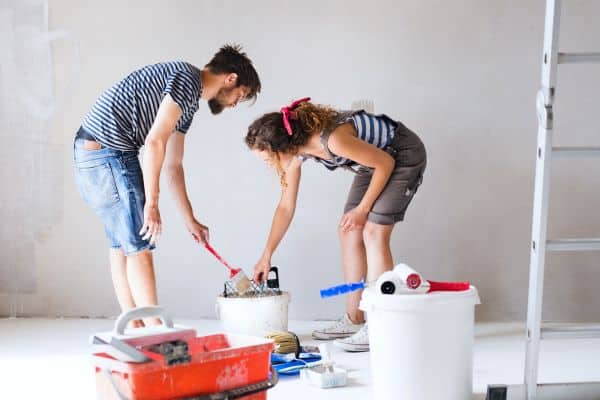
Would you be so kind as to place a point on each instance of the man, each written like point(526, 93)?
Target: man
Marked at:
point(151, 107)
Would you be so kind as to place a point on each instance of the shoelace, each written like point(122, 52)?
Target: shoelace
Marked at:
point(362, 333)
point(339, 323)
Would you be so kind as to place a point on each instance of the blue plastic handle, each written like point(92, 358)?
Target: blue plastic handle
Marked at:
point(342, 289)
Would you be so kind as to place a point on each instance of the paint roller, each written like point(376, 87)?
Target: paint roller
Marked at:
point(402, 276)
point(405, 280)
point(401, 280)
point(391, 283)
point(412, 282)
point(408, 276)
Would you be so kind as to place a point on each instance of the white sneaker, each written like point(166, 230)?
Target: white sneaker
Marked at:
point(357, 342)
point(342, 328)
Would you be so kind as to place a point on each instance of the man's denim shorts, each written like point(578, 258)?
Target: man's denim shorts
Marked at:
point(110, 181)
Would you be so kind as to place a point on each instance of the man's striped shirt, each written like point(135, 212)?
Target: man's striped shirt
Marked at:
point(122, 116)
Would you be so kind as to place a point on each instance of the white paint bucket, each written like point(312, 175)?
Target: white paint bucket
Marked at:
point(255, 315)
point(421, 345)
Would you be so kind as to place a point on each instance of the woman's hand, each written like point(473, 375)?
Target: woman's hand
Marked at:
point(354, 219)
point(261, 269)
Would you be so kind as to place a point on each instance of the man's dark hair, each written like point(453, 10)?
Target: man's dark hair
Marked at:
point(230, 59)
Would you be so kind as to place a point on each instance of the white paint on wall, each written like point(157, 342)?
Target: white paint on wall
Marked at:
point(30, 170)
point(25, 99)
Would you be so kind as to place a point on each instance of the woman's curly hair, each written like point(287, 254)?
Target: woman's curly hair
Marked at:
point(268, 132)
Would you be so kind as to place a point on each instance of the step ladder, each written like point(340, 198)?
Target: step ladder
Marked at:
point(531, 390)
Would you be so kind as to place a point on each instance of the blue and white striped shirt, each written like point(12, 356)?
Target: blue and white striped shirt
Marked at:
point(378, 130)
point(122, 116)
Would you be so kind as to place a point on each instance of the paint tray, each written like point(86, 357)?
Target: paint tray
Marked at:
point(171, 362)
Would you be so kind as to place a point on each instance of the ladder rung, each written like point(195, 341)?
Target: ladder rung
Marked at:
point(569, 151)
point(573, 245)
point(578, 58)
point(571, 332)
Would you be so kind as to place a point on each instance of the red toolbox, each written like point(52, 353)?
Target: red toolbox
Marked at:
point(171, 362)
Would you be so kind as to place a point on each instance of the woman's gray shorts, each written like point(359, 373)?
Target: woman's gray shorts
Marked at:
point(411, 160)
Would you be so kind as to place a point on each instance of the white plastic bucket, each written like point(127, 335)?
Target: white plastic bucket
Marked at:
point(253, 315)
point(422, 344)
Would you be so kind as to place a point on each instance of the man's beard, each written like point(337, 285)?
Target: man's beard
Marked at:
point(217, 104)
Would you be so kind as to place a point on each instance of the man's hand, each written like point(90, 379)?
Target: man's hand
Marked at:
point(199, 231)
point(152, 227)
point(261, 269)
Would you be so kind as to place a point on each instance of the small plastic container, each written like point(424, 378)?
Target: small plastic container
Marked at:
point(324, 378)
point(326, 375)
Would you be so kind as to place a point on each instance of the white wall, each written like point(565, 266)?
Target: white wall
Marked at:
point(462, 74)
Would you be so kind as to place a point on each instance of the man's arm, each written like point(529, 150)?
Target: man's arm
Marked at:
point(154, 154)
point(176, 179)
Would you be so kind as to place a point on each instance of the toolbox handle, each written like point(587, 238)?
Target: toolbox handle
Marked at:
point(244, 391)
point(229, 394)
point(139, 313)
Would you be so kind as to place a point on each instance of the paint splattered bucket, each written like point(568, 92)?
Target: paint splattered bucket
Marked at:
point(421, 345)
point(257, 311)
point(255, 315)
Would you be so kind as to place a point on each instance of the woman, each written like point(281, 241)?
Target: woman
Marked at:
point(388, 160)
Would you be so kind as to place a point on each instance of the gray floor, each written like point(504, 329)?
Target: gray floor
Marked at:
point(49, 359)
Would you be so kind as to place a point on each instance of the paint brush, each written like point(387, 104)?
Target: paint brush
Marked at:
point(237, 277)
point(288, 342)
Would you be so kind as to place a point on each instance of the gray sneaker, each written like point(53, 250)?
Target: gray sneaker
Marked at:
point(355, 343)
point(341, 328)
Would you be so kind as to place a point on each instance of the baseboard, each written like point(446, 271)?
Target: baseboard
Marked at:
point(27, 305)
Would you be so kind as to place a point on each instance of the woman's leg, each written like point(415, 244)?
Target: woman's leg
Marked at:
point(377, 244)
point(355, 255)
point(354, 262)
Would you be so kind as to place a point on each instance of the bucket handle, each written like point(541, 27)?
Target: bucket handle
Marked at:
point(273, 283)
point(139, 313)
